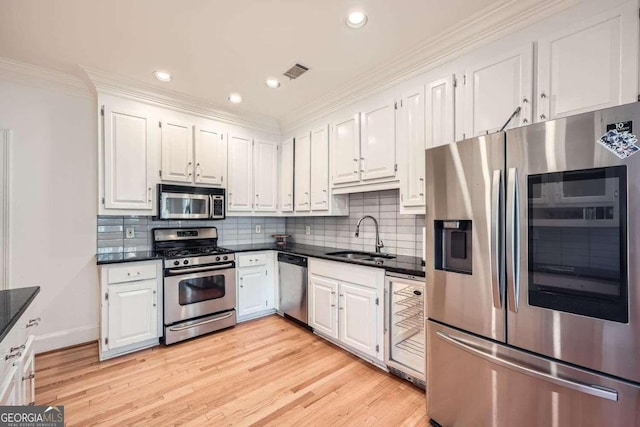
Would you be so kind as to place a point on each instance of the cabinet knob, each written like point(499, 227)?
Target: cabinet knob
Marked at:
point(20, 347)
point(11, 356)
point(29, 377)
point(525, 101)
point(543, 95)
point(542, 117)
point(525, 121)
point(333, 305)
point(241, 286)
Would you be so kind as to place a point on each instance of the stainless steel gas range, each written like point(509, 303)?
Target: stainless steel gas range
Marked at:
point(199, 282)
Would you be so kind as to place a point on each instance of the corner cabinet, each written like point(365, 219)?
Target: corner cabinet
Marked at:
point(345, 306)
point(256, 284)
point(131, 306)
point(130, 136)
point(286, 176)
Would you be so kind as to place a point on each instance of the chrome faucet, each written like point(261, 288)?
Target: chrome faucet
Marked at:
point(379, 244)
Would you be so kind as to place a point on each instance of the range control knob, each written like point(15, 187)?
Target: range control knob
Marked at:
point(176, 262)
point(185, 262)
point(225, 257)
point(217, 258)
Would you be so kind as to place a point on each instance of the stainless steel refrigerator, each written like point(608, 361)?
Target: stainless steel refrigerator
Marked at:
point(533, 275)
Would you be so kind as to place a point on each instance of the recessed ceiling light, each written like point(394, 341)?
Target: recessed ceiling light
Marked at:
point(272, 83)
point(163, 76)
point(235, 98)
point(357, 19)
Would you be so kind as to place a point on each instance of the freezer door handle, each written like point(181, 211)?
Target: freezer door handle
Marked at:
point(496, 245)
point(513, 241)
point(593, 390)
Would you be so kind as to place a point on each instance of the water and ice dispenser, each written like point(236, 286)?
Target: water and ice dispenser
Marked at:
point(453, 249)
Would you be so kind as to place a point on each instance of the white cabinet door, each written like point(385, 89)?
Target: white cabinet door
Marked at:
point(589, 65)
point(345, 150)
point(266, 175)
point(240, 171)
point(286, 176)
point(378, 144)
point(323, 310)
point(252, 292)
point(177, 152)
point(9, 387)
point(358, 317)
point(27, 374)
point(494, 88)
point(210, 156)
point(412, 146)
point(303, 172)
point(128, 143)
point(320, 175)
point(440, 113)
point(133, 313)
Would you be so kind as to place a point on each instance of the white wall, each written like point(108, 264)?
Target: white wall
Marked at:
point(53, 208)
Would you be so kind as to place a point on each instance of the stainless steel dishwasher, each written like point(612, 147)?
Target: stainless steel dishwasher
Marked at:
point(292, 288)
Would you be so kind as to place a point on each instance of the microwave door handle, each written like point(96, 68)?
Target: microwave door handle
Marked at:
point(513, 240)
point(497, 284)
point(211, 210)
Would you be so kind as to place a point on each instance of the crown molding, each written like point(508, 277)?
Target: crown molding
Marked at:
point(505, 18)
point(108, 83)
point(34, 75)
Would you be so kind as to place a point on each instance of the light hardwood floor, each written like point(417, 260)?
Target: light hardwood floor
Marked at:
point(263, 372)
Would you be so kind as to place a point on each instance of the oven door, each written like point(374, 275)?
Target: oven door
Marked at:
point(184, 206)
point(195, 292)
point(571, 267)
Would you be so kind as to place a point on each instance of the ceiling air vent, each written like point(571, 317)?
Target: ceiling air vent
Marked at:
point(296, 71)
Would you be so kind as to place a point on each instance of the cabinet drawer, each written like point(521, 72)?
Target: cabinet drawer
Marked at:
point(131, 273)
point(252, 260)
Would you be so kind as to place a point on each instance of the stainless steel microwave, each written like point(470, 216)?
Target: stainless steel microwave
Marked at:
point(181, 202)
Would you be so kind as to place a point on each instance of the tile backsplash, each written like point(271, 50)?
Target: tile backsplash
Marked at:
point(231, 231)
point(401, 234)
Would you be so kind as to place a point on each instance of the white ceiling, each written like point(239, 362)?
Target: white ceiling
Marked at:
point(214, 47)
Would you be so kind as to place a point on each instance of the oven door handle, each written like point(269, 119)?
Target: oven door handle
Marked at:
point(192, 325)
point(198, 269)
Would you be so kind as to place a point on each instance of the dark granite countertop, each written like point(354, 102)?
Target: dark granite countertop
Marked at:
point(118, 257)
point(401, 264)
point(13, 303)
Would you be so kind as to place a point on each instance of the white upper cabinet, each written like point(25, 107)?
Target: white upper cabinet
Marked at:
point(440, 114)
point(589, 65)
point(345, 150)
point(303, 172)
point(378, 144)
point(495, 87)
point(210, 155)
point(266, 175)
point(177, 151)
point(240, 185)
point(129, 140)
point(411, 146)
point(286, 176)
point(320, 175)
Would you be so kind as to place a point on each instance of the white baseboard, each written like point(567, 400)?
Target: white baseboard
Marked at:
point(66, 338)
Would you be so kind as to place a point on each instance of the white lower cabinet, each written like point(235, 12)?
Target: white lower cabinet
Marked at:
point(17, 365)
point(255, 277)
point(131, 307)
point(345, 306)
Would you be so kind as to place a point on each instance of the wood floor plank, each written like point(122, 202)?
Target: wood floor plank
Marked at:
point(267, 372)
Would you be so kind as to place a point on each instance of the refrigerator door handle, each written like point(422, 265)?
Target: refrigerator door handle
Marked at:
point(593, 390)
point(496, 203)
point(513, 241)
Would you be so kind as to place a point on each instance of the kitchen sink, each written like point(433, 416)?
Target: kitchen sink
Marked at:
point(362, 256)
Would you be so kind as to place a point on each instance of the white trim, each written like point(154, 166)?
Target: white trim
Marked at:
point(124, 87)
point(5, 188)
point(65, 338)
point(21, 72)
point(505, 18)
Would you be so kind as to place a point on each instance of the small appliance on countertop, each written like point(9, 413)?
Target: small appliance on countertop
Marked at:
point(199, 282)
